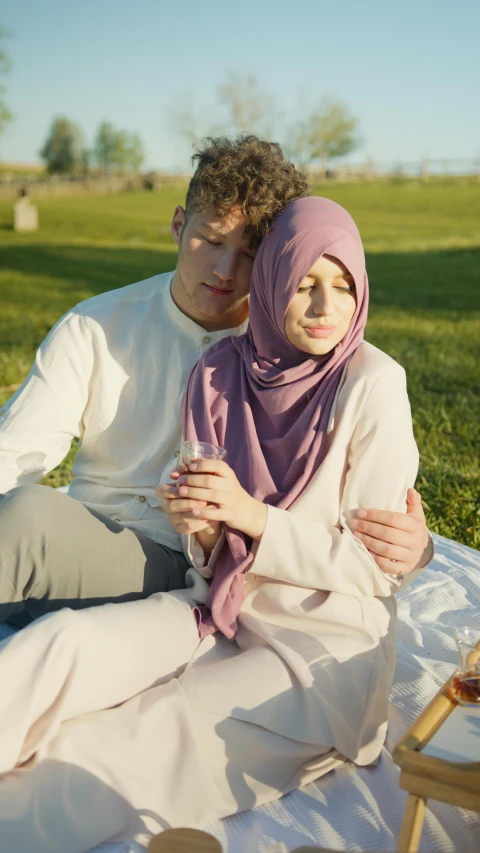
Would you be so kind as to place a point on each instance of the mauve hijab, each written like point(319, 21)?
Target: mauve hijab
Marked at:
point(264, 400)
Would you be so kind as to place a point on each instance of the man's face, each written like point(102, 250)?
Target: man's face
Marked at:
point(212, 278)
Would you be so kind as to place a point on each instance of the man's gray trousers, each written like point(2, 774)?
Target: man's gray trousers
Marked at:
point(56, 553)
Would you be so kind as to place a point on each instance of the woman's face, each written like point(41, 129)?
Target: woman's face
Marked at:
point(321, 311)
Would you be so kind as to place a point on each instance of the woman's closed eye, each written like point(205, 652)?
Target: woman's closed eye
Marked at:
point(340, 288)
point(345, 288)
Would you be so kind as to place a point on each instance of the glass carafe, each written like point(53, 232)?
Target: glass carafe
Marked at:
point(464, 685)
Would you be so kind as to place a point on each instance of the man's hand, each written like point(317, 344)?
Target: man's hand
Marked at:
point(398, 542)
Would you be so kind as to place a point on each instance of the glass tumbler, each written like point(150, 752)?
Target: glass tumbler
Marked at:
point(191, 450)
point(464, 685)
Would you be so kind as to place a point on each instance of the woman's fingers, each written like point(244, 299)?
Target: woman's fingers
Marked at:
point(210, 512)
point(210, 466)
point(182, 505)
point(211, 496)
point(203, 481)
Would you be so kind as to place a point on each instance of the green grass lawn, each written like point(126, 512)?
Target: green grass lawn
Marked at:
point(423, 253)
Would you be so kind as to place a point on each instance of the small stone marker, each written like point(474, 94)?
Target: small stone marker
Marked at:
point(25, 215)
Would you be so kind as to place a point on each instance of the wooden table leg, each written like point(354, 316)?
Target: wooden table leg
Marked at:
point(412, 824)
point(184, 841)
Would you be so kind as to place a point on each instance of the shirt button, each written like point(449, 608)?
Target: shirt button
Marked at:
point(177, 453)
point(142, 498)
point(206, 339)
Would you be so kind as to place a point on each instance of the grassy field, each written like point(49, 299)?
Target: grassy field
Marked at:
point(423, 252)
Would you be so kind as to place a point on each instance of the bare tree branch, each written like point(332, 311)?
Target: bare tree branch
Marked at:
point(250, 109)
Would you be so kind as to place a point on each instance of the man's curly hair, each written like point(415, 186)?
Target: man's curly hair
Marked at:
point(246, 172)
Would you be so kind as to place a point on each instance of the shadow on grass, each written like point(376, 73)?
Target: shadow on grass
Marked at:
point(434, 281)
point(38, 284)
point(99, 268)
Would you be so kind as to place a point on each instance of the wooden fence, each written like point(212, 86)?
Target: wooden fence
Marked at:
point(45, 187)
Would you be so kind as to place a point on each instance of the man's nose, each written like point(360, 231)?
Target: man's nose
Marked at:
point(225, 266)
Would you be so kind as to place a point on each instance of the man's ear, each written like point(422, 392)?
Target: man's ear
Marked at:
point(178, 222)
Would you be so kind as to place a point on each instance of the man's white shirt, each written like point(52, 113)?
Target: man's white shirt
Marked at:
point(112, 372)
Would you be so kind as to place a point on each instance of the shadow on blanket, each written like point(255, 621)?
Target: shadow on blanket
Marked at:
point(43, 809)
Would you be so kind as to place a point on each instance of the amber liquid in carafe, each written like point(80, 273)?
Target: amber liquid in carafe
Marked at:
point(465, 688)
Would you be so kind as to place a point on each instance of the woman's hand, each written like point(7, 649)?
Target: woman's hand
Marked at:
point(179, 510)
point(214, 484)
point(179, 513)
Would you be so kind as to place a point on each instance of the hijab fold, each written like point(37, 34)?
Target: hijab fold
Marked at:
point(262, 399)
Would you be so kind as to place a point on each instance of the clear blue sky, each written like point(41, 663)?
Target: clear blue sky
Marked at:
point(409, 69)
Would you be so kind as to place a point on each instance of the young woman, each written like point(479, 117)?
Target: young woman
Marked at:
point(122, 720)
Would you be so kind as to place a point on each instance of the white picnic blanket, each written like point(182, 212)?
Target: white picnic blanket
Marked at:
point(361, 808)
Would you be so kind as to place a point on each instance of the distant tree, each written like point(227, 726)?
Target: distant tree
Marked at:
point(118, 149)
point(328, 133)
point(5, 114)
point(64, 149)
point(129, 151)
point(250, 109)
point(104, 145)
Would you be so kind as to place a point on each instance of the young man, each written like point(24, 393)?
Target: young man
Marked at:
point(112, 372)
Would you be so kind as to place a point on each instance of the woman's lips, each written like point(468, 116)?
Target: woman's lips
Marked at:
point(319, 331)
point(218, 291)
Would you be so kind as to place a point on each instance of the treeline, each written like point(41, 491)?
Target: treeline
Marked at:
point(65, 152)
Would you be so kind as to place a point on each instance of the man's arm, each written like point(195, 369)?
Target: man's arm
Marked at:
point(40, 420)
point(398, 542)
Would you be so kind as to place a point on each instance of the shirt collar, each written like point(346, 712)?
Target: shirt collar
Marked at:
point(188, 326)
